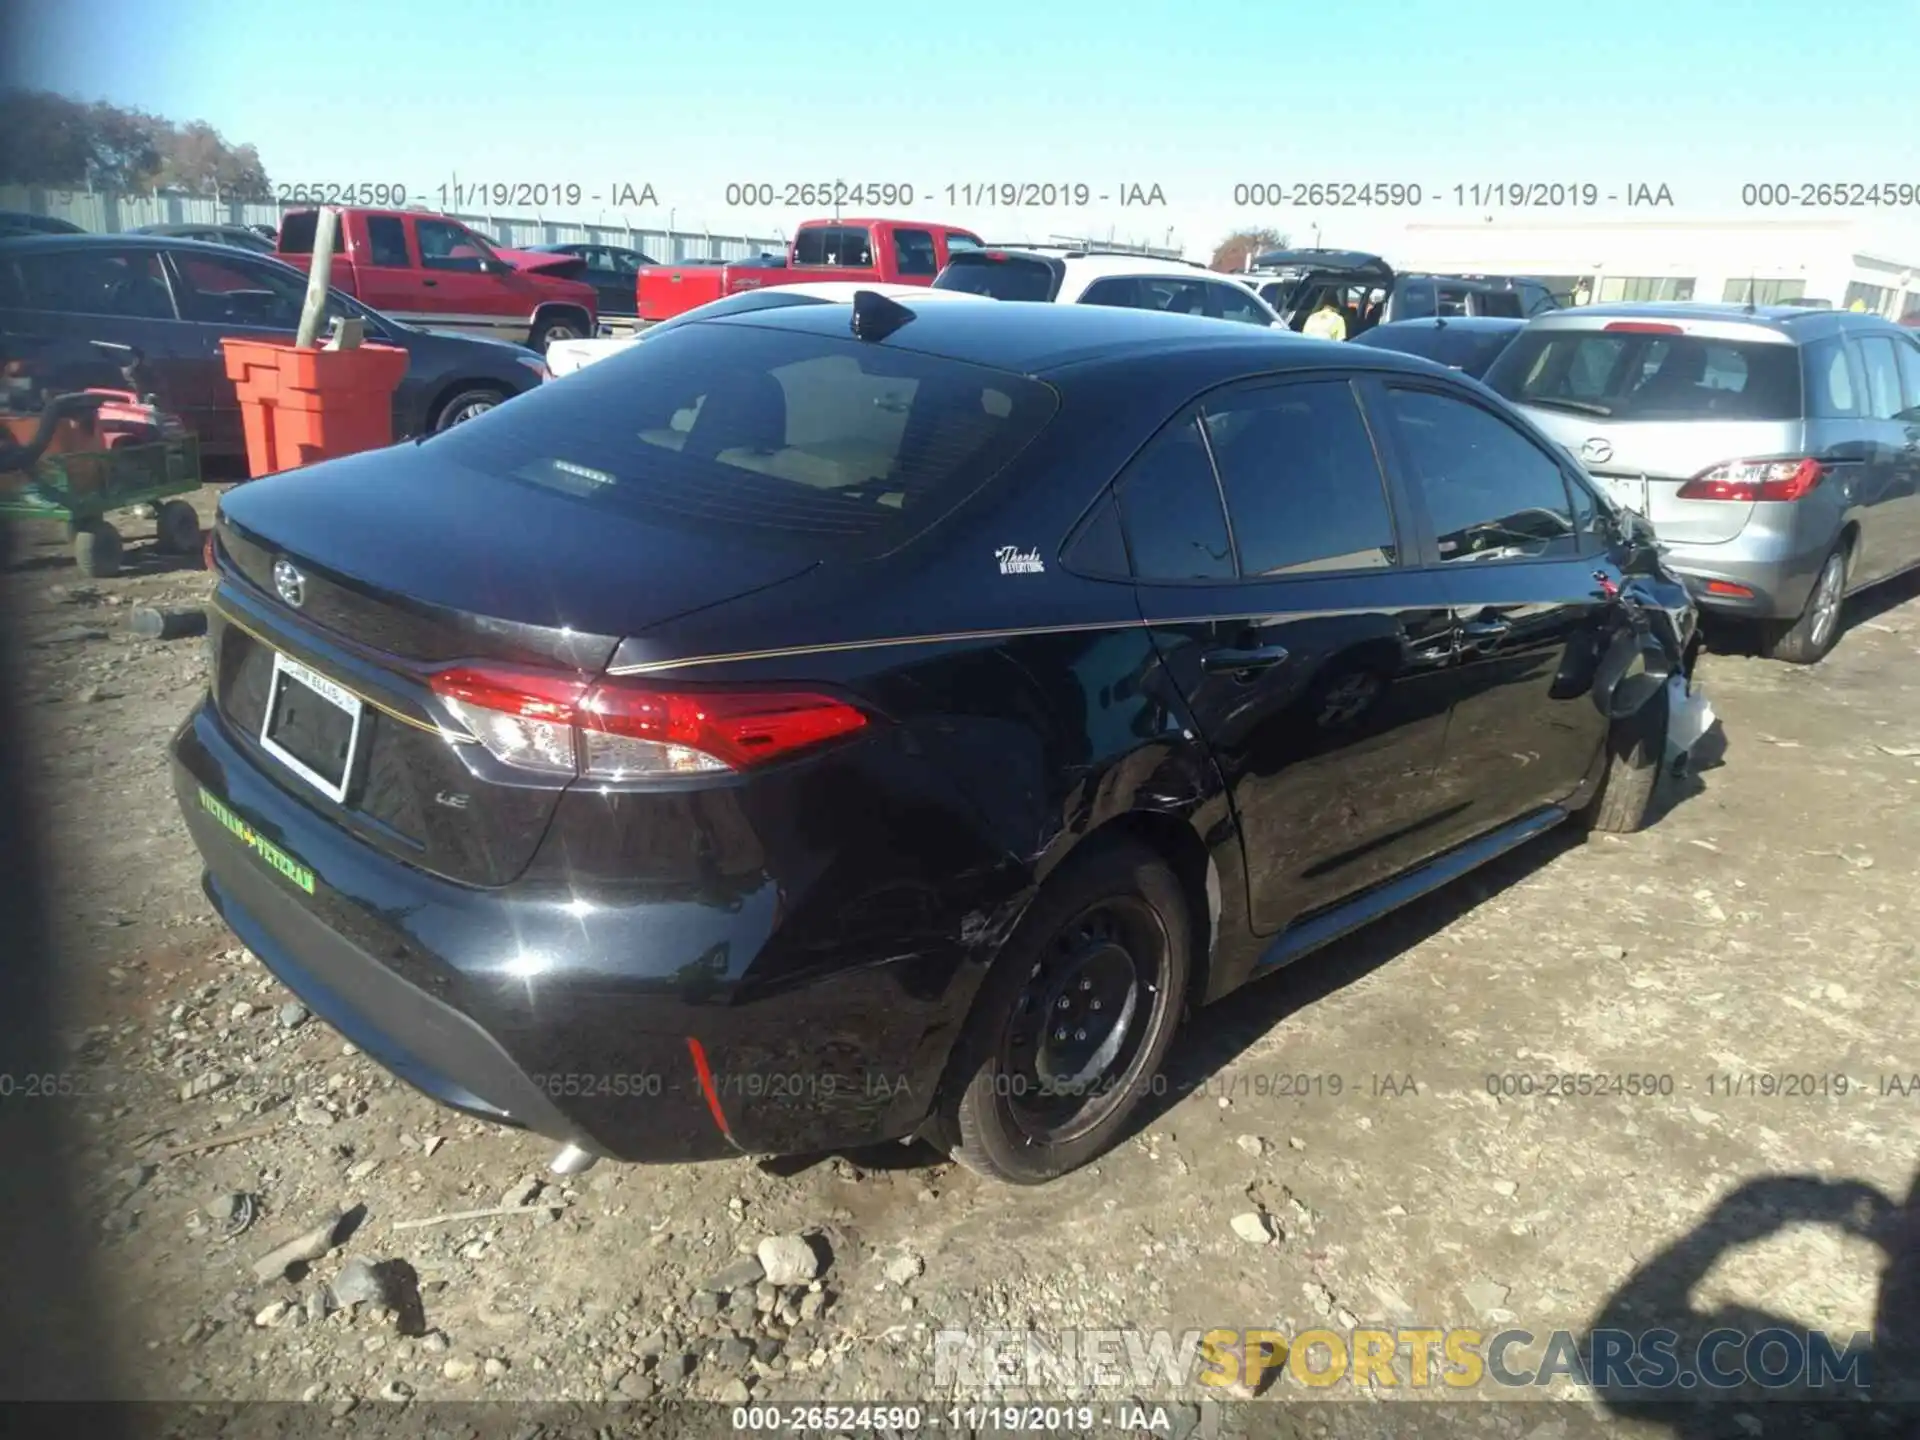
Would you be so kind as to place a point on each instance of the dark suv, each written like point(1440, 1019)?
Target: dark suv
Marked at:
point(1369, 291)
point(849, 721)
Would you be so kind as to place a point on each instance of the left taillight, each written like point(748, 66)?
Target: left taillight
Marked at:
point(1755, 480)
point(561, 725)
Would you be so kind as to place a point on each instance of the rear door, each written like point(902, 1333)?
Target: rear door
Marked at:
point(1314, 660)
point(1649, 405)
point(387, 274)
point(1514, 540)
point(1890, 528)
point(61, 300)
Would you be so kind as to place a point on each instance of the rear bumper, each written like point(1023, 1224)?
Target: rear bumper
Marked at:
point(1777, 564)
point(619, 1028)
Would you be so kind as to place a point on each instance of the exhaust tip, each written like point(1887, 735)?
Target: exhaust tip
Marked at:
point(572, 1160)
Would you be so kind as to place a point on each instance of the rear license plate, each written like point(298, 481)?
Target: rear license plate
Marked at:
point(312, 726)
point(1629, 494)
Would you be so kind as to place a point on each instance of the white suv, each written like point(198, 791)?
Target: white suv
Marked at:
point(1103, 277)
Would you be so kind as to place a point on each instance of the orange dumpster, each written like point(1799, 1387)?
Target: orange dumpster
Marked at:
point(302, 406)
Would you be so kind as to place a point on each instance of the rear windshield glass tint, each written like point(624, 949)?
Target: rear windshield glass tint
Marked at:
point(1012, 277)
point(1623, 375)
point(297, 231)
point(760, 434)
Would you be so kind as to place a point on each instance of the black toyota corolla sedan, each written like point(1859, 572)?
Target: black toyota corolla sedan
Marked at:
point(838, 722)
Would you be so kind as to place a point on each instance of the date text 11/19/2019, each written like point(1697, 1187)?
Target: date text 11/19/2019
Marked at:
point(472, 195)
point(1479, 195)
point(971, 195)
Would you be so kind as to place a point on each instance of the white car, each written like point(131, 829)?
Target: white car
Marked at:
point(1062, 276)
point(1271, 288)
point(566, 356)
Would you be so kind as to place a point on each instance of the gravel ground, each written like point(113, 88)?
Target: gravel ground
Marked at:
point(1763, 927)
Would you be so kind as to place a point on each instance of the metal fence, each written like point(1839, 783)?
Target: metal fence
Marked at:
point(106, 213)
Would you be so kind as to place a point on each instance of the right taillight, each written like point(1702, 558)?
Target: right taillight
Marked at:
point(561, 725)
point(1751, 480)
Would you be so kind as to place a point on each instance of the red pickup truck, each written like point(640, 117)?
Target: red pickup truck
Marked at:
point(895, 252)
point(428, 270)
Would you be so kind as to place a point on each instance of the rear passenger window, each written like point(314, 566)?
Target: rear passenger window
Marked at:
point(1491, 492)
point(913, 252)
point(1831, 393)
point(1124, 294)
point(387, 241)
point(1909, 353)
point(1302, 483)
point(1098, 547)
point(1883, 377)
point(1170, 503)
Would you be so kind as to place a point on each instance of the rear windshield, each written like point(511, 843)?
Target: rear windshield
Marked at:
point(761, 434)
point(1004, 277)
point(1625, 375)
point(297, 230)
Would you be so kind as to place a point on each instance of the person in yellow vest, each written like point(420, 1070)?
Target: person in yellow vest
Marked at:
point(1326, 323)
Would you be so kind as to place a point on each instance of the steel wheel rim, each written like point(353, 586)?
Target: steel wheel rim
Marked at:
point(1826, 601)
point(1077, 1041)
point(467, 412)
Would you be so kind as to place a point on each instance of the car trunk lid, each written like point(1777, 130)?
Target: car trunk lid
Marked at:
point(439, 564)
point(1312, 267)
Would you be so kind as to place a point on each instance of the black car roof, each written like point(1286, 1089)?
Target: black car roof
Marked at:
point(1038, 339)
point(118, 240)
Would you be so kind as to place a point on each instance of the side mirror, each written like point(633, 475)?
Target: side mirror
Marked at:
point(494, 267)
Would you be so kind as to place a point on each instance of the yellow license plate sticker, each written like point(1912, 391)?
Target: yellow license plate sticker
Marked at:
point(254, 841)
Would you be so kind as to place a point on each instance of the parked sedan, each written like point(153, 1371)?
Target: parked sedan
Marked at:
point(174, 300)
point(1775, 449)
point(1467, 343)
point(241, 237)
point(612, 271)
point(843, 722)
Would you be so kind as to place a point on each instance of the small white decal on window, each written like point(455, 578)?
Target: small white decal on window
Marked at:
point(1015, 561)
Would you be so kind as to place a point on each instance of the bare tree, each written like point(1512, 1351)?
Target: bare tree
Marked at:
point(1237, 249)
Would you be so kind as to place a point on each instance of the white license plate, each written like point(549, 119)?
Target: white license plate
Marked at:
point(1628, 494)
point(312, 726)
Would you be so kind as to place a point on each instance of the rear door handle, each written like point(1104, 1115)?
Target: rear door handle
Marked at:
point(430, 284)
point(1242, 662)
point(1485, 629)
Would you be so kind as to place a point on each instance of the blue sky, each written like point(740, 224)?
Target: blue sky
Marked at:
point(1699, 95)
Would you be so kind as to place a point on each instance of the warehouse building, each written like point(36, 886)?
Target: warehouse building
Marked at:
point(1841, 262)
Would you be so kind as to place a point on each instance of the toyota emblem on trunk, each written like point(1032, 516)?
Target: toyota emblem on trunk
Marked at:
point(1597, 450)
point(290, 584)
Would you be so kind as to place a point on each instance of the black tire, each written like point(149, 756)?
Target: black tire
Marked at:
point(1807, 640)
point(177, 528)
point(1110, 922)
point(1636, 756)
point(566, 325)
point(475, 400)
point(96, 549)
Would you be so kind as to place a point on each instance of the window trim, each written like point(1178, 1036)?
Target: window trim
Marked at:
point(1430, 558)
point(1408, 529)
point(1353, 381)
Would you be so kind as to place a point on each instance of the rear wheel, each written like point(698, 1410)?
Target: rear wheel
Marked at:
point(1636, 748)
point(1807, 640)
point(1070, 1029)
point(467, 404)
point(96, 549)
point(563, 326)
point(177, 527)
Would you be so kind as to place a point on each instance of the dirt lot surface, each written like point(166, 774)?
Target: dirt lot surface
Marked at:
point(1762, 931)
